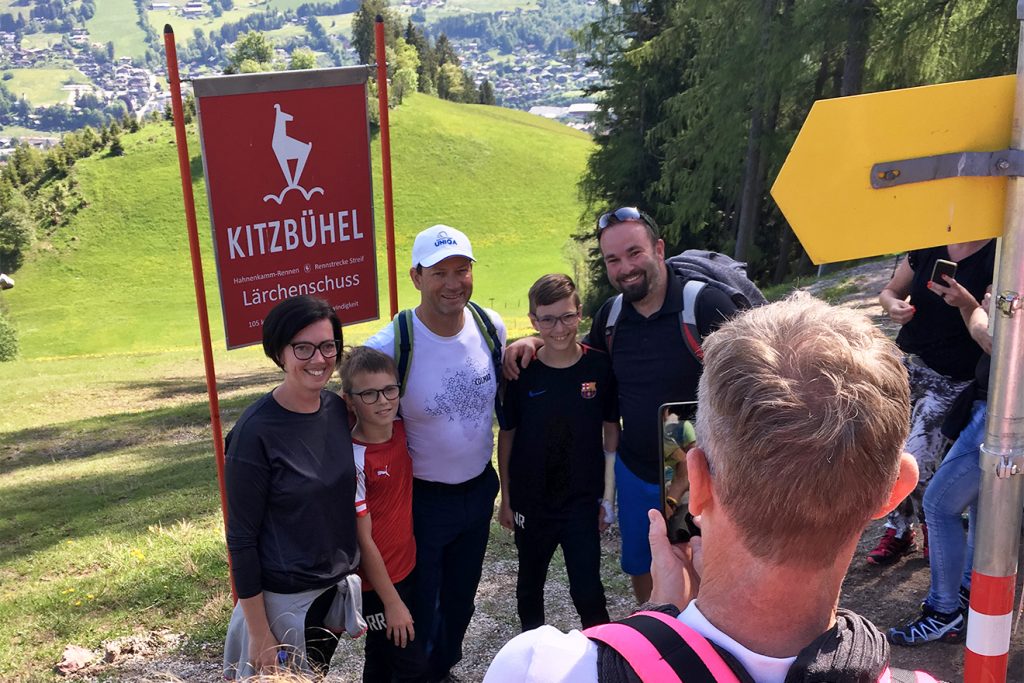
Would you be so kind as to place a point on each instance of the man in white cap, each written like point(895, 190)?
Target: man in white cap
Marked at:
point(446, 350)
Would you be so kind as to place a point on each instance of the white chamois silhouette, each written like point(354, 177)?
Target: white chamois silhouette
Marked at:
point(287, 149)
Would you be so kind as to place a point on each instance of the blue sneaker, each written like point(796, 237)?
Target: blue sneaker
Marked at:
point(930, 626)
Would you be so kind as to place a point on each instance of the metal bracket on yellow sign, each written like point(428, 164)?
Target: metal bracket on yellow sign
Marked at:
point(1006, 162)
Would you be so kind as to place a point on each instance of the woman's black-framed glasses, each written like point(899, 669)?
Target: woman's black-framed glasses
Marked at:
point(548, 322)
point(304, 350)
point(623, 214)
point(371, 396)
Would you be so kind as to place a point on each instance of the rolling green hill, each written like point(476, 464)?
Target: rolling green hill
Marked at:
point(118, 278)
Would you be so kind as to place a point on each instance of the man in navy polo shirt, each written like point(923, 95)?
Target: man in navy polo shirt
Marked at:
point(651, 362)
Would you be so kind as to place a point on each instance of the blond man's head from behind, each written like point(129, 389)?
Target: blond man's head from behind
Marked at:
point(803, 411)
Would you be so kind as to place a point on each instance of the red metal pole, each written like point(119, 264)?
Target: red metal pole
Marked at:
point(197, 270)
point(385, 157)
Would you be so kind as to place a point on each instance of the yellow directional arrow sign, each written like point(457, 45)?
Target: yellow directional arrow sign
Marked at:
point(824, 188)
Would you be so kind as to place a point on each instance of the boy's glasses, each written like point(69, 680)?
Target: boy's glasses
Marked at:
point(371, 396)
point(304, 350)
point(549, 321)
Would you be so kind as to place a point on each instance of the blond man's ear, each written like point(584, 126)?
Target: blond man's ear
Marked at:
point(906, 480)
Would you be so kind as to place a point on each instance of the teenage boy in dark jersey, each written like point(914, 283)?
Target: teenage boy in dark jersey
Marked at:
point(556, 453)
point(384, 478)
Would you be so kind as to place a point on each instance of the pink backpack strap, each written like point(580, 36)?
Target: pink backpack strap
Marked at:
point(627, 637)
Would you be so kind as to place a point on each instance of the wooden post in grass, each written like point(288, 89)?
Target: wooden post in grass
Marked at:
point(197, 271)
point(385, 162)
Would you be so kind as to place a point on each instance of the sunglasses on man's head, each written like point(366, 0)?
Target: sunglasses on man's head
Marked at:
point(623, 214)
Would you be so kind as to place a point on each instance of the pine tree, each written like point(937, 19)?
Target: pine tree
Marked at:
point(364, 22)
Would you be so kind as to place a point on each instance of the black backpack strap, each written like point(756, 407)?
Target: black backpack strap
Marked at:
point(403, 346)
point(688, 318)
point(614, 311)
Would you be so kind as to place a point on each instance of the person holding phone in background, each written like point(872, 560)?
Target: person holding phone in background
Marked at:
point(953, 489)
point(940, 357)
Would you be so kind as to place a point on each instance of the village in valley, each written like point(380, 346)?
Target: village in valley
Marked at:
point(99, 85)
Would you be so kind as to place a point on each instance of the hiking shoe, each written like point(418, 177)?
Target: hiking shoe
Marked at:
point(930, 626)
point(892, 547)
point(924, 535)
point(965, 599)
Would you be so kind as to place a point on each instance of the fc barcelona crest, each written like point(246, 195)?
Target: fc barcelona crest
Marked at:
point(588, 389)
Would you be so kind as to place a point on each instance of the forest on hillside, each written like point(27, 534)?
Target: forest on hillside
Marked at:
point(701, 101)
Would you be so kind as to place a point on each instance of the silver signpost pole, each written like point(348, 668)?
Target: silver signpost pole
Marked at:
point(1002, 454)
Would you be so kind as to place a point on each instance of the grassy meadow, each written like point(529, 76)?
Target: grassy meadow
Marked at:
point(120, 279)
point(109, 511)
point(337, 24)
point(42, 87)
point(117, 21)
point(34, 41)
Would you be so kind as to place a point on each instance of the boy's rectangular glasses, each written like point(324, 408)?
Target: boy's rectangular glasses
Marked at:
point(568, 319)
point(371, 396)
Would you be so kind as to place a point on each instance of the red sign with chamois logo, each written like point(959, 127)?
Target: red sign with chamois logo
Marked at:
point(286, 157)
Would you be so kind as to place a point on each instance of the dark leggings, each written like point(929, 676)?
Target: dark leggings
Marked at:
point(320, 643)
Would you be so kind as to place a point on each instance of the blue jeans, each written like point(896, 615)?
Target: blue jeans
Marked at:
point(954, 488)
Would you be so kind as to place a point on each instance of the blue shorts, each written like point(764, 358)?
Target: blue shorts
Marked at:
point(635, 497)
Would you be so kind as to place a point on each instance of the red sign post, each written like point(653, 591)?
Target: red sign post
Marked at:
point(287, 165)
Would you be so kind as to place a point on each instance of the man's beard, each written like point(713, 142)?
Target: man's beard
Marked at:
point(636, 291)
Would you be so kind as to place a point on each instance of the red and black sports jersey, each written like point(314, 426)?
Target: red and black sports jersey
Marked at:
point(557, 459)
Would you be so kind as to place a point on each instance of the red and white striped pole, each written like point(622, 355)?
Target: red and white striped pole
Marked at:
point(988, 628)
point(1002, 454)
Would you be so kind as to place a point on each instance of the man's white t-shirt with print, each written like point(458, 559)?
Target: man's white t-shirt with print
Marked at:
point(448, 405)
point(546, 655)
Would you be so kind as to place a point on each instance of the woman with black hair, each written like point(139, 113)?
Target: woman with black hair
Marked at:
point(292, 505)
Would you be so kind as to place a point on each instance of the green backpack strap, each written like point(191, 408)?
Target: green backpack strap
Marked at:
point(490, 334)
point(402, 325)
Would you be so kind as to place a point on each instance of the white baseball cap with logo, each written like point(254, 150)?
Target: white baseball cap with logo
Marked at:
point(437, 243)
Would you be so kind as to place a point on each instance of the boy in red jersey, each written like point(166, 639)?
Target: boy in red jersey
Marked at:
point(384, 475)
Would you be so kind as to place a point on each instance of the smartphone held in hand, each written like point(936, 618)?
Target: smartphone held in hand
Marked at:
point(943, 267)
point(677, 435)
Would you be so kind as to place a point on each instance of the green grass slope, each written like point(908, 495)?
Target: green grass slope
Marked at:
point(42, 87)
point(119, 280)
point(116, 21)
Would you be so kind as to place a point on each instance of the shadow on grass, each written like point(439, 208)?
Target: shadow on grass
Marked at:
point(176, 482)
point(185, 387)
point(195, 165)
point(98, 435)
